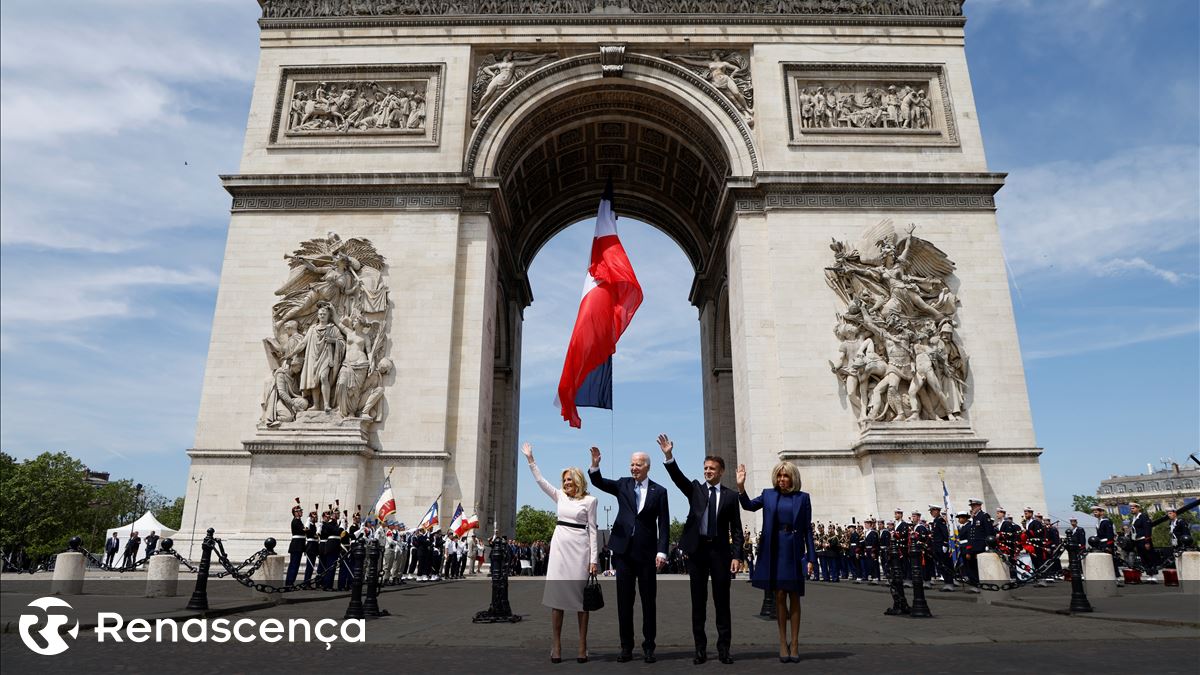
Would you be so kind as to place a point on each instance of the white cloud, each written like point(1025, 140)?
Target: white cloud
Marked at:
point(1084, 340)
point(66, 296)
point(1102, 218)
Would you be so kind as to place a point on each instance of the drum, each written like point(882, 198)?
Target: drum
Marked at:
point(1024, 567)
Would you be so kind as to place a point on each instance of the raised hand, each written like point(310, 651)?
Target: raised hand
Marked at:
point(527, 450)
point(595, 457)
point(666, 445)
point(741, 477)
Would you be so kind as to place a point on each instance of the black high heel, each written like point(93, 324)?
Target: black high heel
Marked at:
point(555, 659)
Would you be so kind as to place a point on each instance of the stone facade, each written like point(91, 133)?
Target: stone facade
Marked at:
point(1157, 490)
point(458, 201)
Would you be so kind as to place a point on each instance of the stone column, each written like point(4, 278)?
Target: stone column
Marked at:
point(1098, 574)
point(162, 576)
point(68, 574)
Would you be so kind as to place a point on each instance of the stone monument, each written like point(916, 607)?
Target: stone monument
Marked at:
point(819, 162)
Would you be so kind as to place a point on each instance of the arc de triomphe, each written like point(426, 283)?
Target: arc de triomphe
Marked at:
point(819, 162)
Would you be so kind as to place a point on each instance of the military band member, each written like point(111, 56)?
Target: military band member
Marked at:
point(919, 539)
point(1053, 541)
point(296, 546)
point(1143, 542)
point(871, 552)
point(1181, 531)
point(984, 528)
point(1075, 535)
point(1106, 539)
point(970, 545)
point(940, 553)
point(1035, 541)
point(854, 550)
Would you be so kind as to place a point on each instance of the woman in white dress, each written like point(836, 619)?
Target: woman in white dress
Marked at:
point(573, 552)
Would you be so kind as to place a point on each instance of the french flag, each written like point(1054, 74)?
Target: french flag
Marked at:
point(611, 295)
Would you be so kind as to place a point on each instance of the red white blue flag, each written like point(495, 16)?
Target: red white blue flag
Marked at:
point(611, 295)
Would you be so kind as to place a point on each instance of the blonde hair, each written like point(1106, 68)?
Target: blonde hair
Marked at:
point(791, 470)
point(581, 484)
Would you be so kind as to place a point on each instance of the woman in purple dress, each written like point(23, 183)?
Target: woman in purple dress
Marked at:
point(787, 538)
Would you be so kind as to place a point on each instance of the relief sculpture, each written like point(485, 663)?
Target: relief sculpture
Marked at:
point(362, 107)
point(327, 352)
point(898, 355)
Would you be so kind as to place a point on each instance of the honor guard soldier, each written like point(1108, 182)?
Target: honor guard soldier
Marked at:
point(1143, 542)
point(1106, 539)
point(312, 545)
point(1181, 532)
point(871, 553)
point(1053, 544)
point(900, 545)
point(984, 528)
point(296, 546)
point(1035, 542)
point(1007, 540)
point(970, 545)
point(885, 550)
point(330, 546)
point(919, 537)
point(854, 547)
point(940, 553)
point(1076, 535)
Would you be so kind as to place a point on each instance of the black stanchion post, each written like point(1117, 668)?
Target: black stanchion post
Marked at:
point(199, 599)
point(920, 608)
point(767, 611)
point(74, 543)
point(500, 610)
point(355, 609)
point(896, 579)
point(371, 604)
point(1079, 601)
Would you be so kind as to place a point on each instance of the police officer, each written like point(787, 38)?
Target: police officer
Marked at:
point(1106, 539)
point(296, 546)
point(940, 553)
point(1143, 542)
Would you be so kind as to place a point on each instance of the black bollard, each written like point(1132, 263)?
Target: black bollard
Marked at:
point(269, 545)
point(1079, 601)
point(199, 599)
point(499, 610)
point(74, 543)
point(355, 609)
point(767, 611)
point(166, 545)
point(371, 603)
point(920, 608)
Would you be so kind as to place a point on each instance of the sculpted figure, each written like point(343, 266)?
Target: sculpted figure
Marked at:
point(721, 72)
point(502, 74)
point(324, 347)
point(356, 364)
point(281, 397)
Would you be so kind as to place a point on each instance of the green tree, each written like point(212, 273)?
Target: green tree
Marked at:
point(43, 502)
point(1084, 503)
point(171, 515)
point(534, 524)
point(676, 531)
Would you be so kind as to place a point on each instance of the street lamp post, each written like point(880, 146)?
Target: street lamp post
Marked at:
point(199, 481)
point(607, 527)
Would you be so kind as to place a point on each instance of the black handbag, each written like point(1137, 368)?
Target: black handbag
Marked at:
point(593, 596)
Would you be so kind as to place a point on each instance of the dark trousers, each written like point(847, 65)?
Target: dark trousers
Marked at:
point(710, 560)
point(328, 566)
point(944, 565)
point(344, 572)
point(1148, 556)
point(970, 567)
point(293, 568)
point(108, 558)
point(639, 573)
point(310, 563)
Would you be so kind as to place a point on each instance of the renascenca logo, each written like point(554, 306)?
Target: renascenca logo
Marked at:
point(47, 639)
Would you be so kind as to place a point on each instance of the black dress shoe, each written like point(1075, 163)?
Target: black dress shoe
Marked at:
point(725, 658)
point(624, 657)
point(649, 658)
point(701, 657)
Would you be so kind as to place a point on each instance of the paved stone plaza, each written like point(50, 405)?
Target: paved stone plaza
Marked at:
point(843, 630)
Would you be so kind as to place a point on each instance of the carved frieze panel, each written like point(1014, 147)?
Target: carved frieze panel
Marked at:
point(895, 104)
point(497, 72)
point(284, 9)
point(359, 105)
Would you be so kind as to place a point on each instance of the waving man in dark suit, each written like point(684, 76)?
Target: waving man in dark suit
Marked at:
point(712, 539)
point(639, 544)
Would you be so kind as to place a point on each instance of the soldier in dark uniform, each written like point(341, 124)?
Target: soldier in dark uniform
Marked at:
point(421, 545)
point(1035, 541)
point(1143, 542)
point(919, 537)
point(347, 534)
point(854, 550)
point(871, 553)
point(900, 547)
point(984, 527)
point(1053, 541)
point(312, 546)
point(897, 552)
point(833, 553)
point(1007, 536)
point(1075, 534)
point(296, 546)
point(885, 551)
point(940, 548)
point(1106, 539)
point(970, 545)
point(330, 546)
point(1181, 532)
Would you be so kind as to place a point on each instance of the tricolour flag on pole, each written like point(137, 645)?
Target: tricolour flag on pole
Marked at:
point(385, 506)
point(456, 522)
point(430, 519)
point(472, 522)
point(611, 295)
point(951, 520)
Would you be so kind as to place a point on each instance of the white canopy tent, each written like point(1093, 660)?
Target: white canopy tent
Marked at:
point(143, 526)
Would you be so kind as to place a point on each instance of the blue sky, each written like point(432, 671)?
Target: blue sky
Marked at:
point(116, 117)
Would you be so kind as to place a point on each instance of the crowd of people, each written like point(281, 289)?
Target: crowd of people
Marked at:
point(129, 552)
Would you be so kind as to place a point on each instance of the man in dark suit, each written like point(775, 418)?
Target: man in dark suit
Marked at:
point(131, 549)
point(111, 547)
point(712, 539)
point(639, 545)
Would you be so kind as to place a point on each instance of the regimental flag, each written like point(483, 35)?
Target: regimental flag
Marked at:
point(611, 296)
point(472, 523)
point(386, 505)
point(430, 519)
point(456, 522)
point(950, 520)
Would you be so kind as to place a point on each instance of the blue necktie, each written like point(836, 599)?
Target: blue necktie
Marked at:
point(712, 511)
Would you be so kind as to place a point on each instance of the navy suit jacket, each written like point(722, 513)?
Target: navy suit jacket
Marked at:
point(641, 536)
point(801, 520)
point(729, 516)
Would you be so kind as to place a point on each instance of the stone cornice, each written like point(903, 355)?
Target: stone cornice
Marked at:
point(766, 191)
point(379, 191)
